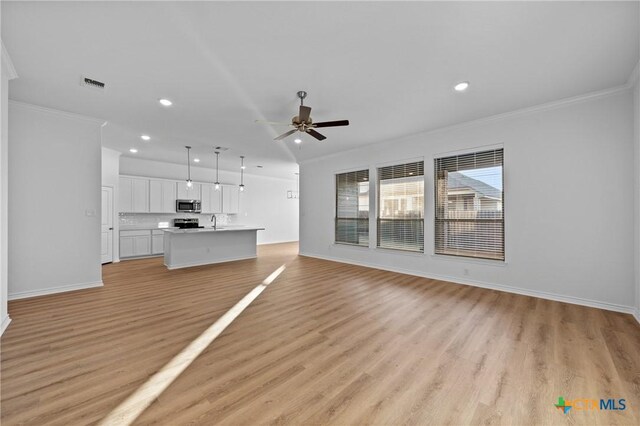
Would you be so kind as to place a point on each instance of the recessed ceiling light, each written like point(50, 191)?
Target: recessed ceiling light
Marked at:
point(196, 160)
point(297, 140)
point(165, 102)
point(133, 150)
point(145, 137)
point(461, 87)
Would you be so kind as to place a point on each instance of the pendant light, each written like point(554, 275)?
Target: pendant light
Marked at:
point(217, 182)
point(242, 173)
point(189, 181)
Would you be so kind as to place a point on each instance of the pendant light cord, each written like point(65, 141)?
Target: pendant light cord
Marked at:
point(242, 170)
point(217, 167)
point(188, 165)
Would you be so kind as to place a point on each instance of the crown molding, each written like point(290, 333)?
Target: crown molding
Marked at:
point(561, 103)
point(634, 76)
point(57, 112)
point(8, 63)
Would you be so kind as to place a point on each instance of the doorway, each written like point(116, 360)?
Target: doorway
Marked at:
point(106, 251)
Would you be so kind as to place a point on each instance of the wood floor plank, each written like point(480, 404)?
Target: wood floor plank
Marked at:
point(325, 343)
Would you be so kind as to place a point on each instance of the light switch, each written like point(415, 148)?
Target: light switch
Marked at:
point(90, 212)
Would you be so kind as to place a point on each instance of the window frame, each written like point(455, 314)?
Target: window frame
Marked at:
point(462, 257)
point(376, 211)
point(335, 207)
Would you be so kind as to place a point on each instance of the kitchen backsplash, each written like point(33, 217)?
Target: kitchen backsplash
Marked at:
point(166, 219)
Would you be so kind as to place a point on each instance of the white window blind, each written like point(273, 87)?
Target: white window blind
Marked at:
point(401, 207)
point(469, 216)
point(352, 208)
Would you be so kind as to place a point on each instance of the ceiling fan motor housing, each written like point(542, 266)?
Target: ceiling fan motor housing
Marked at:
point(303, 122)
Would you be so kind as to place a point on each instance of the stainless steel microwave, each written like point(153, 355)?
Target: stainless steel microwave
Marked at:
point(188, 206)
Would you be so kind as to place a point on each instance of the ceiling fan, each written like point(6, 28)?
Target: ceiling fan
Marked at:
point(303, 122)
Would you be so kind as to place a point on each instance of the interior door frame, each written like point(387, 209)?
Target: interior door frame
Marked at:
point(115, 252)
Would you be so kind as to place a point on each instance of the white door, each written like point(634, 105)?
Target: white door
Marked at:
point(107, 225)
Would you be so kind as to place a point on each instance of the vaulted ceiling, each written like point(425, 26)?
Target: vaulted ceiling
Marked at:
point(387, 67)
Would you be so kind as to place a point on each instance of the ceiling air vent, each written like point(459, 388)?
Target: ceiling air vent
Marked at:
point(91, 83)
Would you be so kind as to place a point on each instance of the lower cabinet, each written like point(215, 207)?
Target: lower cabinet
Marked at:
point(157, 242)
point(135, 243)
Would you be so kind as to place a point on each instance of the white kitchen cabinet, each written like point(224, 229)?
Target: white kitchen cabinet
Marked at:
point(230, 199)
point(135, 243)
point(162, 196)
point(134, 195)
point(157, 242)
point(127, 246)
point(211, 199)
point(184, 193)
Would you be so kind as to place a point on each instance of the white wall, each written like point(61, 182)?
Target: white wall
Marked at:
point(110, 174)
point(7, 72)
point(635, 80)
point(54, 201)
point(263, 203)
point(568, 213)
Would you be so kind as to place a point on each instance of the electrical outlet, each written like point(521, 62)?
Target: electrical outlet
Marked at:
point(466, 271)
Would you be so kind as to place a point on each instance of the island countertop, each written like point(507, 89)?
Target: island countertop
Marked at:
point(212, 229)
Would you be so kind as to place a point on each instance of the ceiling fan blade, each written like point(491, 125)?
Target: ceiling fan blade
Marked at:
point(316, 135)
point(332, 123)
point(271, 122)
point(284, 135)
point(305, 113)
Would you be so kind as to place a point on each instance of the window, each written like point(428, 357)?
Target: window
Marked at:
point(352, 208)
point(401, 207)
point(469, 216)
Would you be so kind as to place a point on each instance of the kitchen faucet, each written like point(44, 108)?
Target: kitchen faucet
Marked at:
point(214, 219)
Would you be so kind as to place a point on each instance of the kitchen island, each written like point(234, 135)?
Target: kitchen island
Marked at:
point(203, 246)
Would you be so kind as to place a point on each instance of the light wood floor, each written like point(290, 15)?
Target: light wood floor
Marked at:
point(326, 343)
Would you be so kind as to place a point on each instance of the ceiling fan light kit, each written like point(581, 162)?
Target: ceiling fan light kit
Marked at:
point(304, 123)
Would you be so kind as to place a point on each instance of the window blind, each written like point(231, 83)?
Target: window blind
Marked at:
point(352, 208)
point(401, 207)
point(469, 205)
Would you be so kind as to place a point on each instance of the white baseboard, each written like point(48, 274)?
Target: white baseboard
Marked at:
point(277, 242)
point(189, 265)
point(147, 256)
point(509, 289)
point(54, 290)
point(5, 323)
point(636, 315)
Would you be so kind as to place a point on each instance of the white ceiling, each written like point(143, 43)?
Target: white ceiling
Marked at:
point(387, 67)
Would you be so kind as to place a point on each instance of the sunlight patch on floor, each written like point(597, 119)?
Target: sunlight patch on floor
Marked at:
point(131, 408)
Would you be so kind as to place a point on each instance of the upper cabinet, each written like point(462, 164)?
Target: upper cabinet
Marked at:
point(185, 193)
point(134, 195)
point(145, 195)
point(230, 199)
point(211, 199)
point(162, 196)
